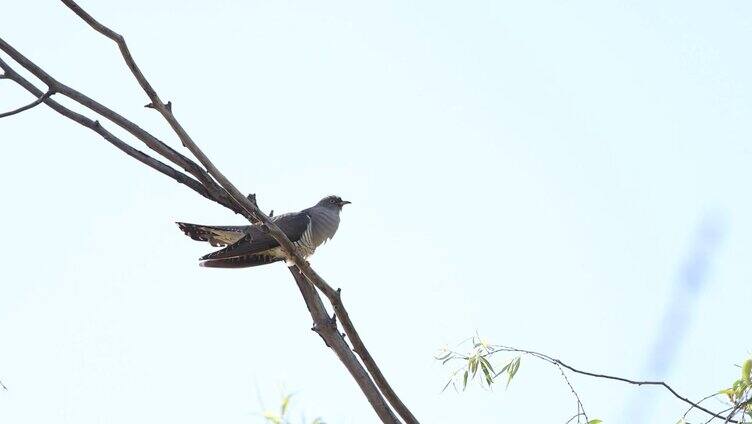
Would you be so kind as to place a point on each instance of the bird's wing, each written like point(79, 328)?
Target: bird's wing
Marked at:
point(256, 241)
point(216, 235)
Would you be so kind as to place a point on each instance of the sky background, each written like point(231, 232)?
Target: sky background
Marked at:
point(544, 173)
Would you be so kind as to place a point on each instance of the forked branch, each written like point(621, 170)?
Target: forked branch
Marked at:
point(250, 208)
point(39, 100)
point(207, 180)
point(99, 129)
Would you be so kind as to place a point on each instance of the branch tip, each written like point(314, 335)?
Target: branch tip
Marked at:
point(36, 102)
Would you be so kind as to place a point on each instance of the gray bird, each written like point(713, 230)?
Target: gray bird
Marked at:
point(249, 246)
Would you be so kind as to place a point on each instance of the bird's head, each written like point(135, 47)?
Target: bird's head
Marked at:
point(333, 202)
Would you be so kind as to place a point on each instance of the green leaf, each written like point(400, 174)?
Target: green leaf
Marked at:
point(595, 421)
point(446, 385)
point(444, 357)
point(464, 381)
point(506, 367)
point(285, 405)
point(729, 393)
point(473, 364)
point(486, 373)
point(512, 370)
point(488, 364)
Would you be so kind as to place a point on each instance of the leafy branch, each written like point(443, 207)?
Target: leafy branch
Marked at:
point(479, 355)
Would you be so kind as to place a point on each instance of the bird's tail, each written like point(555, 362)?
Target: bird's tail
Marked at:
point(215, 235)
point(240, 261)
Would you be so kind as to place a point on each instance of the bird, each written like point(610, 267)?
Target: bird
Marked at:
point(248, 245)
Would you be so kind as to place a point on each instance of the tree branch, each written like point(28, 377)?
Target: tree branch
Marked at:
point(30, 105)
point(360, 348)
point(115, 141)
point(225, 193)
point(326, 327)
point(152, 142)
point(663, 384)
point(251, 210)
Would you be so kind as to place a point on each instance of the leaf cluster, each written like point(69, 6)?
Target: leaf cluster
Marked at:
point(477, 364)
point(477, 360)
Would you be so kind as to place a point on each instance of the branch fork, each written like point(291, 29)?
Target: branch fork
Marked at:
point(209, 182)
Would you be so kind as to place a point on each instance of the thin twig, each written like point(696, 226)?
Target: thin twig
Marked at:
point(736, 408)
point(39, 100)
point(698, 402)
point(611, 377)
point(580, 406)
point(721, 412)
point(577, 416)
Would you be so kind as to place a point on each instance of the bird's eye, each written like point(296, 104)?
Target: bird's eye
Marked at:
point(332, 200)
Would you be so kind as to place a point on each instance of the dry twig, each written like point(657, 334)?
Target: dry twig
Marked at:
point(41, 98)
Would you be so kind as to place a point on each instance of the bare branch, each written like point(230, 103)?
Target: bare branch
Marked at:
point(575, 416)
point(152, 142)
point(221, 191)
point(39, 100)
point(251, 210)
point(360, 348)
point(115, 141)
point(580, 406)
point(120, 40)
point(327, 329)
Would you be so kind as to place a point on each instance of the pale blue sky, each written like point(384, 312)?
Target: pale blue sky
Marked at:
point(536, 171)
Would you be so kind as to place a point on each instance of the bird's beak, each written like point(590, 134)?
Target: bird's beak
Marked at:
point(343, 203)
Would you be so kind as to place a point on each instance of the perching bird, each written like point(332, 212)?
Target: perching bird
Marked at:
point(249, 246)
